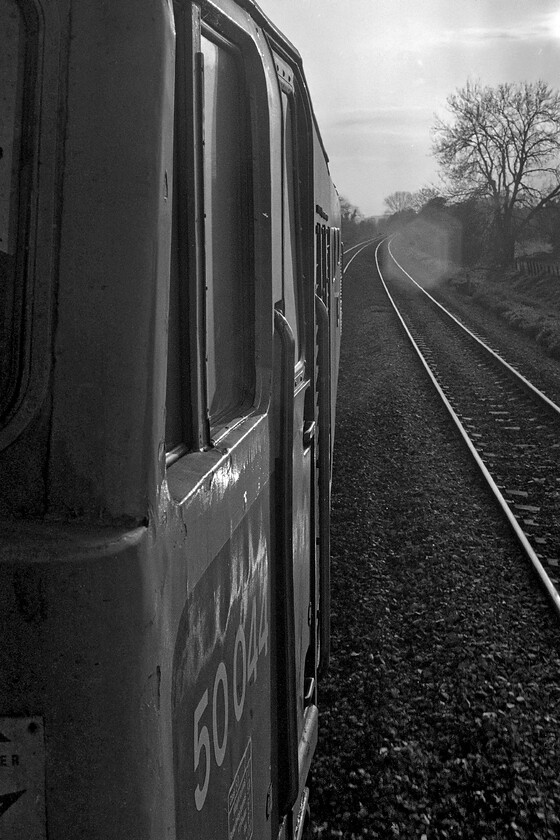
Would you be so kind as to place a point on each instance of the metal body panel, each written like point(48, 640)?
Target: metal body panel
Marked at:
point(81, 650)
point(222, 727)
point(145, 609)
point(326, 204)
point(220, 549)
point(303, 548)
point(115, 637)
point(117, 150)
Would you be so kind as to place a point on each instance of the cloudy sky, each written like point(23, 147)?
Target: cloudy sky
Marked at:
point(379, 70)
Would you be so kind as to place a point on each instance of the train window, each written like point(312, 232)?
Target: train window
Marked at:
point(334, 252)
point(177, 420)
point(211, 365)
point(328, 258)
point(318, 260)
point(322, 263)
point(12, 56)
point(227, 206)
point(292, 304)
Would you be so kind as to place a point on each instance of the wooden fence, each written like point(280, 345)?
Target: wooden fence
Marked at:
point(538, 266)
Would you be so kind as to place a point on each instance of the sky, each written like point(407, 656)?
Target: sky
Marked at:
point(380, 70)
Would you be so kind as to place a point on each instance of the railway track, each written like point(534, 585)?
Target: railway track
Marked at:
point(511, 428)
point(357, 249)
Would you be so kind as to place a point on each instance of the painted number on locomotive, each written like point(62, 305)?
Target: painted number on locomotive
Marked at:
point(216, 720)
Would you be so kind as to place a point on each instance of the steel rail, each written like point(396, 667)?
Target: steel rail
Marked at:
point(363, 242)
point(362, 246)
point(493, 353)
point(537, 565)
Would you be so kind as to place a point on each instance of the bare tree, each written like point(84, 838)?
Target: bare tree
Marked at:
point(399, 201)
point(354, 223)
point(503, 145)
point(424, 196)
point(349, 212)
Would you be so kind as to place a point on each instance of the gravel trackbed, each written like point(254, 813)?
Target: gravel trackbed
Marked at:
point(440, 715)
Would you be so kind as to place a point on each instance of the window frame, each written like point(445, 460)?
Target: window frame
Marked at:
point(39, 220)
point(220, 423)
point(291, 217)
point(18, 340)
point(192, 23)
point(292, 85)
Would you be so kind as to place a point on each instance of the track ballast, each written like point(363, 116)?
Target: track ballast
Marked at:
point(510, 426)
point(442, 705)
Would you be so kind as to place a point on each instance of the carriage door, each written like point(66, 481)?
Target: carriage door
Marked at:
point(303, 535)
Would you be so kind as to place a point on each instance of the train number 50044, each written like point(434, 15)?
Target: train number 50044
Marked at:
point(244, 665)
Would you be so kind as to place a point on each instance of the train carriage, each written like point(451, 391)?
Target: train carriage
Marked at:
point(170, 263)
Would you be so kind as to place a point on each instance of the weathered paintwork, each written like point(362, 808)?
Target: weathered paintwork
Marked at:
point(221, 681)
point(222, 727)
point(161, 623)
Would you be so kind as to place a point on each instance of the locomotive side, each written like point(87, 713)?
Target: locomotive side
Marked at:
point(171, 260)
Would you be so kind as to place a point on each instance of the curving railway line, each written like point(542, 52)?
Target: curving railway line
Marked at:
point(358, 248)
point(511, 428)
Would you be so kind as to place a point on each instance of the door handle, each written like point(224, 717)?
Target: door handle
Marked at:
point(288, 776)
point(309, 433)
point(309, 689)
point(324, 482)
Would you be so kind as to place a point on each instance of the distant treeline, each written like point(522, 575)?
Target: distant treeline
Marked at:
point(468, 226)
point(498, 153)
